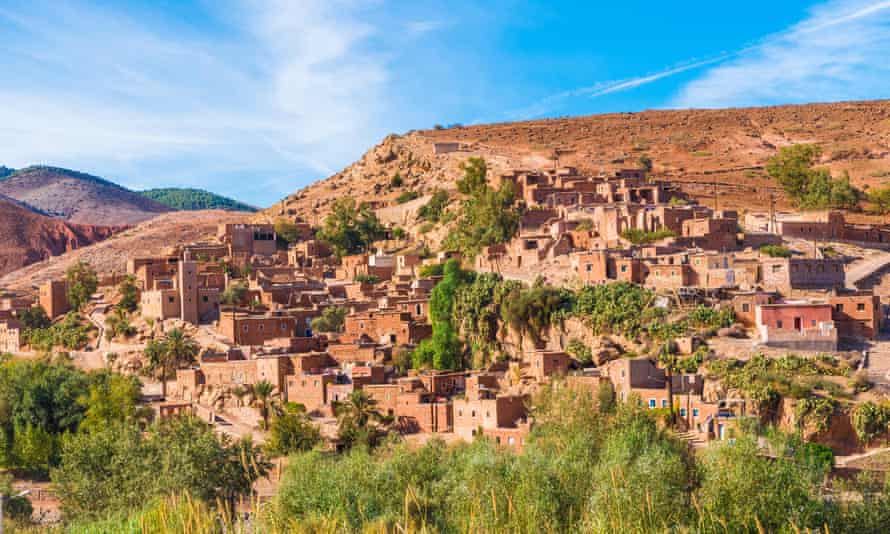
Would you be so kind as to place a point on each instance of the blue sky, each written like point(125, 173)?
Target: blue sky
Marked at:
point(255, 99)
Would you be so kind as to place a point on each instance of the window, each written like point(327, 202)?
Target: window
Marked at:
point(813, 322)
point(682, 412)
point(695, 412)
point(624, 268)
point(652, 403)
point(779, 324)
point(664, 403)
point(589, 267)
point(746, 307)
point(860, 306)
point(511, 440)
point(205, 299)
point(170, 299)
point(839, 307)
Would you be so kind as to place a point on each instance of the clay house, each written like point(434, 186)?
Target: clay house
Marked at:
point(787, 274)
point(261, 328)
point(53, 298)
point(541, 365)
point(744, 304)
point(856, 314)
point(660, 277)
point(386, 326)
point(489, 413)
point(711, 233)
point(189, 295)
point(248, 240)
point(10, 335)
point(153, 272)
point(797, 325)
point(309, 253)
point(601, 266)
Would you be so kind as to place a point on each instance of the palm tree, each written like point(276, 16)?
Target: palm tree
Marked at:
point(670, 363)
point(262, 393)
point(173, 352)
point(359, 409)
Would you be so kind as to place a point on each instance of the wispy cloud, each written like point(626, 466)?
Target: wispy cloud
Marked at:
point(839, 52)
point(552, 102)
point(297, 89)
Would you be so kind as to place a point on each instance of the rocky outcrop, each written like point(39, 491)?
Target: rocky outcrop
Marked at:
point(29, 237)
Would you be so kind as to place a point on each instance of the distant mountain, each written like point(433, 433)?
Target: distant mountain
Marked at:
point(183, 198)
point(78, 197)
point(28, 237)
point(5, 171)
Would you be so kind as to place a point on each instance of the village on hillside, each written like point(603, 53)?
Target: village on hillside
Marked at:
point(348, 330)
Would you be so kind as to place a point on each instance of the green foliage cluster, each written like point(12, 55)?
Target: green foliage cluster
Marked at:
point(870, 420)
point(619, 308)
point(71, 333)
point(531, 311)
point(433, 210)
point(117, 324)
point(33, 318)
point(331, 320)
point(186, 198)
point(765, 380)
point(710, 317)
point(407, 196)
point(366, 278)
point(433, 269)
point(286, 232)
point(642, 237)
point(810, 187)
point(291, 431)
point(443, 350)
point(578, 350)
point(41, 401)
point(880, 197)
point(814, 412)
point(396, 180)
point(487, 216)
point(118, 467)
point(129, 294)
point(174, 351)
point(350, 228)
point(776, 251)
point(82, 283)
point(585, 468)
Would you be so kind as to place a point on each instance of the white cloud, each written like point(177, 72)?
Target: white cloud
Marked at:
point(295, 88)
point(839, 52)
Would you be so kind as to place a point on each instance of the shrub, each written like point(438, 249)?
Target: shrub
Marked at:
point(434, 269)
point(407, 196)
point(396, 180)
point(641, 237)
point(776, 251)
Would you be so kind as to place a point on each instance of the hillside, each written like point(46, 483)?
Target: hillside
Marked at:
point(78, 197)
point(694, 148)
point(111, 255)
point(189, 199)
point(28, 237)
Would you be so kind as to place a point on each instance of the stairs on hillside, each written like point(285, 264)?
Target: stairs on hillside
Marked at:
point(695, 439)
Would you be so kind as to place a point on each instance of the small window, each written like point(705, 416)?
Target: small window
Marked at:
point(779, 324)
point(860, 306)
point(746, 308)
point(652, 403)
point(205, 299)
point(170, 299)
point(589, 267)
point(664, 403)
point(695, 412)
point(682, 412)
point(839, 308)
point(624, 268)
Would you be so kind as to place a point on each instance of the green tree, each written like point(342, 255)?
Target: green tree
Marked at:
point(82, 283)
point(286, 232)
point(263, 392)
point(350, 228)
point(34, 318)
point(434, 209)
point(880, 197)
point(331, 320)
point(487, 217)
point(645, 162)
point(357, 418)
point(292, 431)
point(129, 293)
point(809, 187)
point(232, 296)
point(176, 350)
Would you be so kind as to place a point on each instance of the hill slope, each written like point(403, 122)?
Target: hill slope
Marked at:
point(695, 148)
point(111, 255)
point(78, 197)
point(28, 237)
point(180, 198)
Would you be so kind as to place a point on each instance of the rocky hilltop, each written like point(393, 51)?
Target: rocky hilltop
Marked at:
point(702, 150)
point(28, 237)
point(78, 197)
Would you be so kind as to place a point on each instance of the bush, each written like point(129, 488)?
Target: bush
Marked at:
point(366, 278)
point(407, 196)
point(581, 352)
point(331, 320)
point(641, 237)
point(434, 209)
point(396, 180)
point(776, 251)
point(435, 269)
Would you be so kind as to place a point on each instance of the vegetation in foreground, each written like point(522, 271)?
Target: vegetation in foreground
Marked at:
point(589, 466)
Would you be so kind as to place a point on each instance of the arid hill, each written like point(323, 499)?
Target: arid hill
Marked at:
point(78, 197)
point(28, 237)
point(111, 255)
point(702, 150)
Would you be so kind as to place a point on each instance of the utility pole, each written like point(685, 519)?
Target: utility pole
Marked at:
point(715, 196)
point(771, 225)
